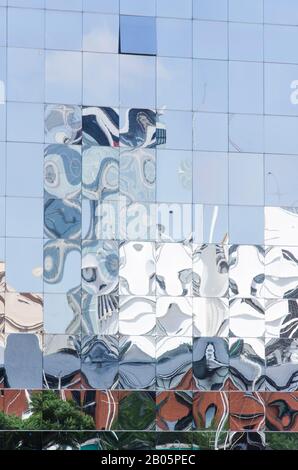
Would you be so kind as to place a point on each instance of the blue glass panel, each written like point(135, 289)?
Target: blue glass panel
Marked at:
point(141, 27)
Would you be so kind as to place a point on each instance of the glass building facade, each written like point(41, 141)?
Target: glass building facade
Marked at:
point(148, 224)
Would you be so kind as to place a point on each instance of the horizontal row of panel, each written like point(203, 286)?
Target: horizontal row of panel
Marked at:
point(148, 315)
point(149, 363)
point(149, 411)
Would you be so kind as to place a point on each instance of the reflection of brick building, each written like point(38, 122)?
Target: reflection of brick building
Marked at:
point(210, 409)
point(17, 402)
point(174, 410)
point(282, 411)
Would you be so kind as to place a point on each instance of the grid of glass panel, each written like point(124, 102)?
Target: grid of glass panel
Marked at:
point(148, 232)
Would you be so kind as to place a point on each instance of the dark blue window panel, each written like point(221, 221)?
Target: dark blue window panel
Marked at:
point(137, 35)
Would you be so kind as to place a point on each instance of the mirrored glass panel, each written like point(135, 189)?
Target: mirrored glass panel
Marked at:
point(63, 30)
point(100, 33)
point(137, 81)
point(174, 93)
point(248, 12)
point(245, 42)
point(210, 173)
point(63, 77)
point(249, 77)
point(137, 7)
point(210, 40)
point(174, 8)
point(210, 85)
point(24, 170)
point(280, 13)
point(142, 27)
point(167, 32)
point(25, 74)
point(203, 132)
point(25, 28)
point(279, 44)
point(178, 167)
point(280, 182)
point(246, 225)
point(100, 89)
point(210, 9)
point(246, 179)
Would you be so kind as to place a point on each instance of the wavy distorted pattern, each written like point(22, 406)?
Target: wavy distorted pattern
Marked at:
point(62, 171)
point(62, 219)
point(99, 358)
point(63, 124)
point(137, 175)
point(100, 178)
point(139, 129)
point(55, 254)
point(100, 126)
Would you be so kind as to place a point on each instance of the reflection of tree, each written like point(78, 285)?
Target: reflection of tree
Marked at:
point(49, 413)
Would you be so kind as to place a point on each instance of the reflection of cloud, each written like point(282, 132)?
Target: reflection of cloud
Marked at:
point(65, 65)
point(101, 79)
point(137, 70)
point(163, 72)
point(100, 40)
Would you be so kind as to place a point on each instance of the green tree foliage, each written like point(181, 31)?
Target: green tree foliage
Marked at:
point(49, 413)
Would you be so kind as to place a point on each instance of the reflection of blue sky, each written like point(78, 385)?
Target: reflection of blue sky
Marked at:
point(75, 5)
point(210, 86)
point(251, 11)
point(63, 77)
point(71, 273)
point(24, 169)
point(246, 179)
point(174, 176)
point(101, 89)
point(245, 41)
point(246, 225)
point(2, 216)
point(3, 167)
point(280, 134)
point(2, 120)
point(2, 249)
point(212, 9)
point(203, 131)
point(141, 27)
point(24, 217)
point(210, 40)
point(137, 81)
point(22, 129)
point(210, 178)
point(174, 8)
point(57, 313)
point(25, 27)
point(179, 129)
point(167, 32)
point(137, 7)
point(63, 30)
point(104, 6)
point(281, 180)
point(210, 223)
point(2, 26)
point(245, 87)
point(285, 12)
point(25, 75)
point(24, 258)
point(174, 83)
point(101, 32)
point(246, 133)
point(278, 78)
